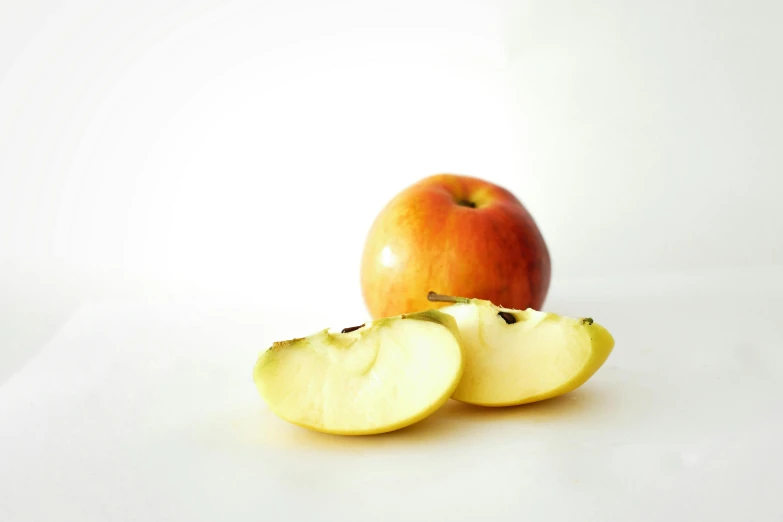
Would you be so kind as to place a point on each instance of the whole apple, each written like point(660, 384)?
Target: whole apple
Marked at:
point(455, 235)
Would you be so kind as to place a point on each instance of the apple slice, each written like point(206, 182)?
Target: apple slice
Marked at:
point(520, 356)
point(373, 378)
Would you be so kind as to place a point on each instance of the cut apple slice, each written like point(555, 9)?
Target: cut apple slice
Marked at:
point(375, 378)
point(520, 356)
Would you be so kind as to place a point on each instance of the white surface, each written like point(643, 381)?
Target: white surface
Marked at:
point(147, 411)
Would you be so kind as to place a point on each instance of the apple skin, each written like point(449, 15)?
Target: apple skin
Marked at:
point(430, 237)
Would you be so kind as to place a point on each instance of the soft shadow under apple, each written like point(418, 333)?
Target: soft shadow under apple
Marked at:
point(453, 421)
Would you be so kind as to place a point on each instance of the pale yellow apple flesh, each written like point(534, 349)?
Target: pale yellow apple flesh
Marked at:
point(537, 356)
point(383, 376)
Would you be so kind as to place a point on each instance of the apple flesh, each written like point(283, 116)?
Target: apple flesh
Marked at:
point(370, 379)
point(460, 235)
point(521, 356)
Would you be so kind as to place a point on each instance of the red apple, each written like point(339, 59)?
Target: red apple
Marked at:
point(454, 235)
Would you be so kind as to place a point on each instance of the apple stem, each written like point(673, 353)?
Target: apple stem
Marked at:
point(440, 298)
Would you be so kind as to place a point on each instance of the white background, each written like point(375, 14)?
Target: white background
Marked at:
point(247, 146)
point(237, 152)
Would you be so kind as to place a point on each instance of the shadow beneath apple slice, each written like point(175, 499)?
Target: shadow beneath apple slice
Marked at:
point(542, 411)
point(452, 422)
point(585, 403)
point(266, 429)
